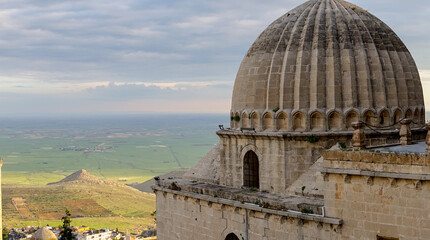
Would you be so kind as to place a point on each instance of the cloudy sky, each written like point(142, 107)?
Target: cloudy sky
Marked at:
point(84, 56)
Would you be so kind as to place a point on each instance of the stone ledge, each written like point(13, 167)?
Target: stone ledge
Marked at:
point(420, 177)
point(378, 157)
point(253, 207)
point(263, 199)
point(369, 133)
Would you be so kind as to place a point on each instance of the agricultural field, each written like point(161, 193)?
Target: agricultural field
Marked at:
point(123, 149)
point(92, 202)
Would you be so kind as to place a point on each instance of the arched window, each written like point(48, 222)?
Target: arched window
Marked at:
point(408, 114)
point(237, 121)
point(317, 121)
point(369, 117)
point(267, 122)
point(335, 121)
point(231, 236)
point(282, 121)
point(384, 118)
point(299, 121)
point(351, 117)
point(245, 120)
point(397, 116)
point(255, 121)
point(251, 171)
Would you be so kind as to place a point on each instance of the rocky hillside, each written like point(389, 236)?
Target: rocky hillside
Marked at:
point(82, 176)
point(90, 199)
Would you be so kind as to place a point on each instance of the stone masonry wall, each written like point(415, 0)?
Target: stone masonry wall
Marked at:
point(281, 162)
point(378, 194)
point(282, 158)
point(395, 208)
point(186, 218)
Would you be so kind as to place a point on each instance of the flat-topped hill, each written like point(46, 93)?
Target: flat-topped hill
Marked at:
point(81, 175)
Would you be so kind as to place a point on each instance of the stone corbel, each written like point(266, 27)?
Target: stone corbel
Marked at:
point(393, 182)
point(347, 178)
point(370, 180)
point(418, 185)
point(326, 176)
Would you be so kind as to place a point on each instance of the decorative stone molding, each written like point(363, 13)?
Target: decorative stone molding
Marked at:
point(333, 120)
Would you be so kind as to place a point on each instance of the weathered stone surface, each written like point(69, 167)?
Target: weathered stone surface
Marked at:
point(306, 79)
point(404, 163)
point(358, 138)
point(179, 217)
point(397, 208)
point(322, 66)
point(261, 199)
point(207, 169)
point(283, 157)
point(405, 132)
point(309, 183)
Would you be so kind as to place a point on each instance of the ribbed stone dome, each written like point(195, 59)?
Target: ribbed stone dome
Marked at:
point(322, 66)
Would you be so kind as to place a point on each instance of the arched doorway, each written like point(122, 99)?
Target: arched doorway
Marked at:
point(231, 236)
point(251, 172)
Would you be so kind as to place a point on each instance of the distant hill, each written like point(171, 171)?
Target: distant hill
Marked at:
point(81, 175)
point(146, 186)
point(85, 195)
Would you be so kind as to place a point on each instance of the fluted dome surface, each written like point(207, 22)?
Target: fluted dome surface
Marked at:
point(321, 62)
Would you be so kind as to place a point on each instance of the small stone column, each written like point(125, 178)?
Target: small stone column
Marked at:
point(428, 138)
point(405, 132)
point(358, 137)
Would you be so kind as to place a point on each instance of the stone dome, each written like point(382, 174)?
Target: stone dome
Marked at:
point(43, 234)
point(322, 66)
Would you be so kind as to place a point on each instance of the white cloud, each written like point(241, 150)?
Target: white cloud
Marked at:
point(111, 48)
point(198, 22)
point(142, 56)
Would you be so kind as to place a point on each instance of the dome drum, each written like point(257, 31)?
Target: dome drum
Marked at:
point(318, 120)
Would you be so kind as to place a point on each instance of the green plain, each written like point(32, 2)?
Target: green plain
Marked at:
point(36, 152)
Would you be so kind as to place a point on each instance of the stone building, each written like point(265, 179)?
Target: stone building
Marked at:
point(322, 72)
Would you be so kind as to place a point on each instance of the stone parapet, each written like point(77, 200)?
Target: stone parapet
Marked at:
point(252, 196)
point(368, 163)
point(380, 138)
point(250, 206)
